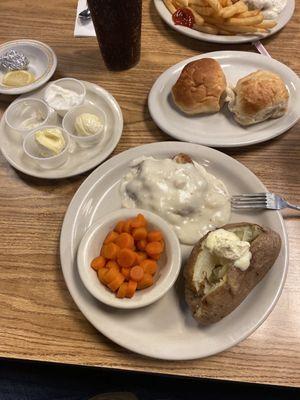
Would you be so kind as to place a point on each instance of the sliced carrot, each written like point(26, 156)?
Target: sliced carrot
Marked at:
point(146, 281)
point(111, 274)
point(149, 266)
point(116, 283)
point(140, 256)
point(119, 227)
point(126, 272)
point(155, 257)
point(112, 264)
point(136, 273)
point(139, 221)
point(111, 237)
point(111, 251)
point(155, 236)
point(139, 233)
point(101, 274)
point(154, 248)
point(122, 290)
point(98, 262)
point(162, 244)
point(127, 226)
point(126, 258)
point(131, 288)
point(141, 244)
point(125, 240)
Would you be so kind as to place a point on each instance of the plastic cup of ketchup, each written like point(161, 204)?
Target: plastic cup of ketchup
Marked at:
point(118, 28)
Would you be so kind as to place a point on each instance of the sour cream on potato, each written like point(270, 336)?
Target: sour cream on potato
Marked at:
point(185, 195)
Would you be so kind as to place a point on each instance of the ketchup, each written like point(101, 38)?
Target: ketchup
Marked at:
point(184, 17)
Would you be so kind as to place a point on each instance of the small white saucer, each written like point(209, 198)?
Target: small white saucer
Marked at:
point(80, 159)
point(42, 63)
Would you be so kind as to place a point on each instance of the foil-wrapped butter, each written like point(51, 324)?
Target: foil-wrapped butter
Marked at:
point(13, 60)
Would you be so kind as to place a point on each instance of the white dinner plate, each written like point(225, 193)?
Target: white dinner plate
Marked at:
point(80, 159)
point(42, 63)
point(220, 129)
point(283, 19)
point(166, 329)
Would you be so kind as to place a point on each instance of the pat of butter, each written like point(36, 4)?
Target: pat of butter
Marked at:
point(227, 245)
point(51, 139)
point(87, 124)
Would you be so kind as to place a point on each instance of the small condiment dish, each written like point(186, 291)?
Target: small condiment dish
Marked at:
point(42, 64)
point(169, 264)
point(33, 150)
point(28, 110)
point(69, 84)
point(68, 124)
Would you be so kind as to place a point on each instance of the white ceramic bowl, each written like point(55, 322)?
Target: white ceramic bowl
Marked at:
point(70, 84)
point(68, 124)
point(42, 63)
point(32, 150)
point(23, 109)
point(169, 264)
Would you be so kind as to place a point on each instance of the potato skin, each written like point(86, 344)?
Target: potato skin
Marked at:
point(224, 299)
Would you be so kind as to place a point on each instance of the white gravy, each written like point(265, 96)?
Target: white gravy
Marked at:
point(185, 195)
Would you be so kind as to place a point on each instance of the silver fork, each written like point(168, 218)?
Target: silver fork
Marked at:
point(268, 201)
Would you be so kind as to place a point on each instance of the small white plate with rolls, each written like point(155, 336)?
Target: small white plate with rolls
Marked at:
point(198, 108)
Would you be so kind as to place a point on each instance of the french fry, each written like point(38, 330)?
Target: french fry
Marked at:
point(181, 3)
point(198, 19)
point(249, 21)
point(236, 8)
point(170, 6)
point(229, 3)
point(203, 10)
point(241, 29)
point(267, 24)
point(214, 20)
point(246, 14)
point(198, 3)
point(223, 3)
point(226, 33)
point(215, 4)
point(206, 28)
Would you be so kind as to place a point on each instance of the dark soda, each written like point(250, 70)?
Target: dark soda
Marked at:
point(118, 28)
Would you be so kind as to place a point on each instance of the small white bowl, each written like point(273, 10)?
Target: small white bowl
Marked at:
point(20, 110)
point(32, 150)
point(42, 63)
point(169, 264)
point(68, 124)
point(70, 84)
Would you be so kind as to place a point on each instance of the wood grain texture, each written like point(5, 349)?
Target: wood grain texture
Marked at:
point(38, 318)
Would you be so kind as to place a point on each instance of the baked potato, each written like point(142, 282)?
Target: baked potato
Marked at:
point(214, 287)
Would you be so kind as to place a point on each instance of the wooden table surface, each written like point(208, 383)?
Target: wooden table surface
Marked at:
point(38, 318)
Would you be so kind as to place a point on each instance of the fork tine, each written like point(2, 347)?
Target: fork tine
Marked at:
point(249, 200)
point(249, 203)
point(246, 196)
point(246, 200)
point(250, 195)
point(239, 207)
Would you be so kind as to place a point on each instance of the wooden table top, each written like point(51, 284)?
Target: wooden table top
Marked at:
point(38, 318)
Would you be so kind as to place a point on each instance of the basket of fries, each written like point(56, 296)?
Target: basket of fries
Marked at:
point(219, 17)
